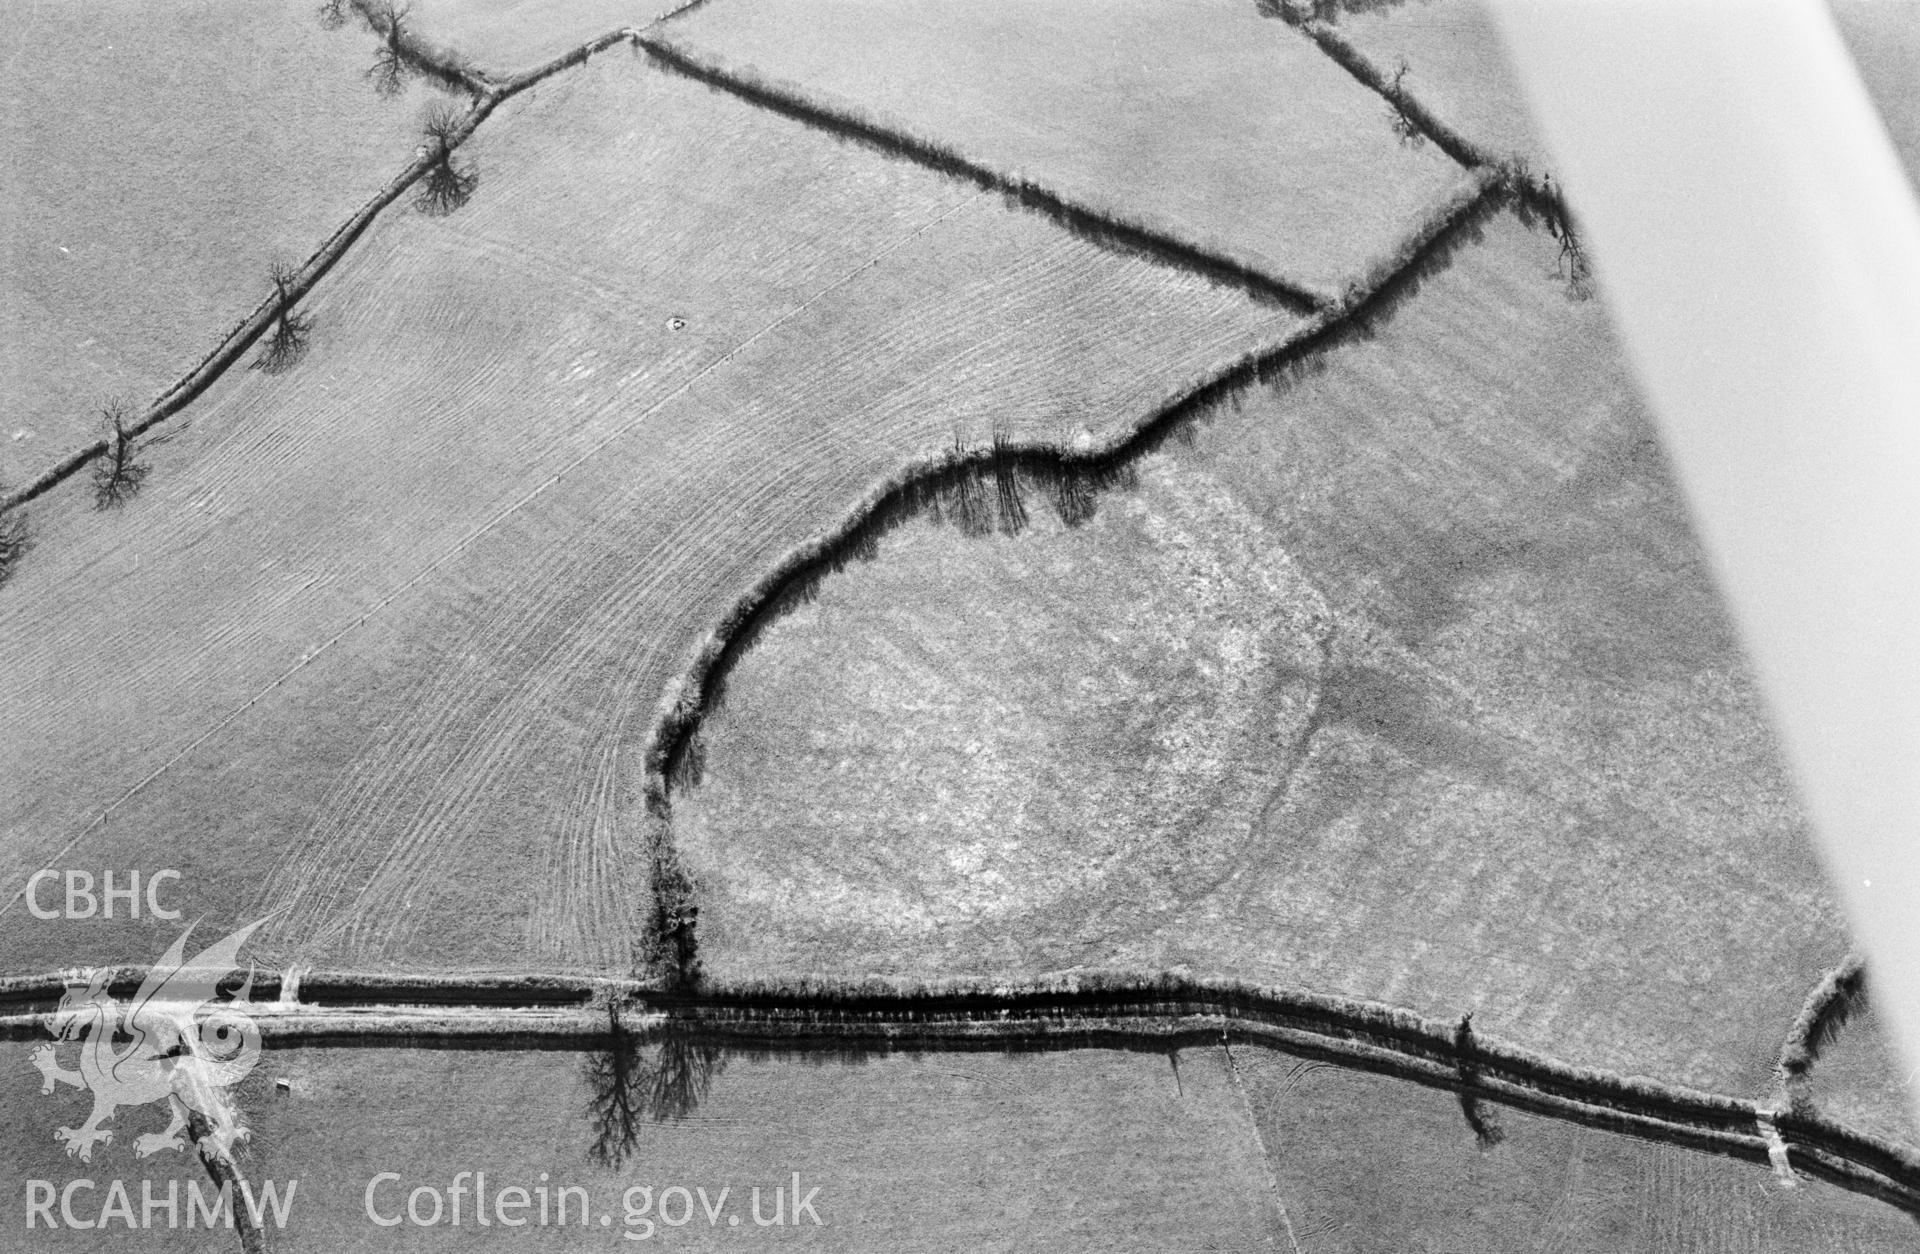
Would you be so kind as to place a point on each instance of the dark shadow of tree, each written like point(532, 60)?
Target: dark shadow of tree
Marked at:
point(287, 342)
point(118, 474)
point(1487, 1131)
point(447, 184)
point(285, 345)
point(388, 73)
point(391, 68)
point(643, 1077)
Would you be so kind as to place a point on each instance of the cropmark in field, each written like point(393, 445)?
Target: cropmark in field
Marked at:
point(397, 624)
point(1406, 681)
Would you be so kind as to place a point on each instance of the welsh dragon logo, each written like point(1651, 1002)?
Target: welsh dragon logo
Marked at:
point(187, 1046)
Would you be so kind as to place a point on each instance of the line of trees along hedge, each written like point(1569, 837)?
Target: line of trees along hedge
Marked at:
point(1839, 996)
point(1099, 226)
point(982, 490)
point(849, 1020)
point(118, 475)
point(448, 183)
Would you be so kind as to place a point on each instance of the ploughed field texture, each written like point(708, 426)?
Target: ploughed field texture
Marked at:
point(1092, 1150)
point(1405, 680)
point(500, 37)
point(379, 645)
point(157, 156)
point(1369, 1165)
point(1456, 67)
point(1201, 119)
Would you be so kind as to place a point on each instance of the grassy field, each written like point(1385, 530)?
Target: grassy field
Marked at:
point(503, 36)
point(379, 644)
point(1407, 1174)
point(970, 751)
point(1204, 121)
point(1406, 681)
point(1456, 67)
point(1090, 1149)
point(1093, 1150)
point(158, 156)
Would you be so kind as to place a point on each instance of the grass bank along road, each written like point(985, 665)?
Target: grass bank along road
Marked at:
point(1093, 1010)
point(1488, 650)
point(272, 620)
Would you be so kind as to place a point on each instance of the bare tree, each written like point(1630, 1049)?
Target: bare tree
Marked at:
point(441, 125)
point(391, 66)
point(614, 1078)
point(1572, 265)
point(1486, 1129)
point(1397, 116)
point(447, 184)
point(288, 341)
point(117, 475)
point(333, 14)
point(645, 1078)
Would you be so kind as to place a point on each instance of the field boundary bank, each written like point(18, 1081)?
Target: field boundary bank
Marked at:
point(488, 92)
point(1084, 221)
point(442, 63)
point(849, 1021)
point(247, 332)
point(1326, 36)
point(672, 754)
point(1840, 995)
point(1329, 40)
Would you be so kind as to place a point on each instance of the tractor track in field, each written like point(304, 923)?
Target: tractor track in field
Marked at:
point(488, 95)
point(673, 755)
point(487, 92)
point(1151, 1013)
point(1095, 1010)
point(1072, 476)
point(1138, 1013)
point(1369, 297)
